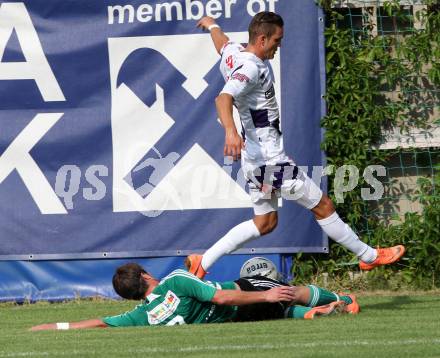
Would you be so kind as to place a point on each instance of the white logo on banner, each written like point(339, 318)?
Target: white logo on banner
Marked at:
point(196, 181)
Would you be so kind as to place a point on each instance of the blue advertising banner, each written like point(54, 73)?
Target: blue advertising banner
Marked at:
point(60, 280)
point(110, 144)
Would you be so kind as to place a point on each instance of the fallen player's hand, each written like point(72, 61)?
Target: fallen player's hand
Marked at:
point(44, 327)
point(281, 293)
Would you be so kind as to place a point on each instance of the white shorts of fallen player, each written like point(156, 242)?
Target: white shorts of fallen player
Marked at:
point(281, 178)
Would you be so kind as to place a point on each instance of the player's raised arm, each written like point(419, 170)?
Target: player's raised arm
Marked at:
point(91, 323)
point(218, 37)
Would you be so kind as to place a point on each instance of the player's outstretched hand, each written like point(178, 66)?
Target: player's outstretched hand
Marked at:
point(281, 293)
point(205, 22)
point(44, 327)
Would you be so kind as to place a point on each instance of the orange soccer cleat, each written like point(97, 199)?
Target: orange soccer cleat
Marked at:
point(353, 307)
point(194, 265)
point(385, 256)
point(333, 307)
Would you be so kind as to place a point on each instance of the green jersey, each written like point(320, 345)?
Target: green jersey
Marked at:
point(179, 298)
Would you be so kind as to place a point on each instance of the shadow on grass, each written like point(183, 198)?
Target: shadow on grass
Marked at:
point(393, 303)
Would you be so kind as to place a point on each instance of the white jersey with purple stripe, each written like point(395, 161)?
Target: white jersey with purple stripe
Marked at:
point(265, 165)
point(249, 81)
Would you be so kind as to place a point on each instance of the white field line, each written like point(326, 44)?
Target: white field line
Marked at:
point(243, 347)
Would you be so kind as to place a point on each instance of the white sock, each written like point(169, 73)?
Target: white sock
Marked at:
point(340, 232)
point(233, 240)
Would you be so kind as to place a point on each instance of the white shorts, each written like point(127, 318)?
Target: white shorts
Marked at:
point(284, 180)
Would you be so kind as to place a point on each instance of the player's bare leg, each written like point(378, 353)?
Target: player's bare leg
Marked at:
point(233, 240)
point(340, 232)
point(326, 217)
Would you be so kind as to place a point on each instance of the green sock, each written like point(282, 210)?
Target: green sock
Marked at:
point(346, 299)
point(297, 311)
point(320, 296)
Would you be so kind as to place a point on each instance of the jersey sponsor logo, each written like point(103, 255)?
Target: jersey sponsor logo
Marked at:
point(270, 93)
point(240, 77)
point(164, 310)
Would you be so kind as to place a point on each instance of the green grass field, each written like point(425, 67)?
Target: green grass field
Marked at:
point(388, 326)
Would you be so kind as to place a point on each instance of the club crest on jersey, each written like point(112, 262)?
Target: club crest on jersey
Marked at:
point(164, 310)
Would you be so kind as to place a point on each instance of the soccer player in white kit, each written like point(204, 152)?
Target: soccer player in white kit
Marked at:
point(269, 171)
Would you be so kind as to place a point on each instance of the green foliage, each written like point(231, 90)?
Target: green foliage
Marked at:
point(420, 269)
point(420, 233)
point(377, 82)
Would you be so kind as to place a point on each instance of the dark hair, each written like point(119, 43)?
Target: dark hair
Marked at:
point(128, 281)
point(264, 23)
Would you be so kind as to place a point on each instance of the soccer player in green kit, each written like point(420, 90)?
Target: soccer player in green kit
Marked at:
point(182, 298)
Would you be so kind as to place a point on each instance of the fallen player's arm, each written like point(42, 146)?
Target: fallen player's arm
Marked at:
point(91, 323)
point(238, 297)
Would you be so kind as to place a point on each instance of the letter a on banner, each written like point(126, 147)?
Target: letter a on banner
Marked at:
point(15, 16)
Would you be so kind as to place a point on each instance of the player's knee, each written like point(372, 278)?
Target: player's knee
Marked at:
point(271, 226)
point(266, 224)
point(327, 205)
point(324, 209)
